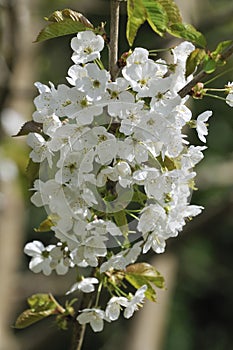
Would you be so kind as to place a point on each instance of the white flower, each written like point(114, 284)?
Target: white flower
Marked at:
point(93, 316)
point(40, 148)
point(76, 72)
point(122, 259)
point(50, 122)
point(135, 302)
point(53, 194)
point(153, 217)
point(94, 84)
point(193, 156)
point(201, 127)
point(156, 242)
point(60, 259)
point(138, 56)
point(108, 144)
point(86, 285)
point(180, 53)
point(87, 46)
point(114, 306)
point(229, 97)
point(41, 259)
point(141, 77)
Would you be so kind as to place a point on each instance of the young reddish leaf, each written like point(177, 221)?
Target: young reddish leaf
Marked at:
point(28, 127)
point(59, 16)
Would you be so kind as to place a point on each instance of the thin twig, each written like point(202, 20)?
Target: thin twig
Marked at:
point(78, 335)
point(114, 34)
point(202, 75)
point(79, 329)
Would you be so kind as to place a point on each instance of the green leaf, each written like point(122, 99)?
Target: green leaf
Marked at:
point(32, 171)
point(143, 273)
point(45, 225)
point(210, 65)
point(139, 281)
point(156, 16)
point(29, 317)
point(41, 302)
point(147, 271)
point(172, 10)
point(221, 48)
point(41, 306)
point(188, 32)
point(167, 163)
point(136, 17)
point(195, 58)
point(121, 221)
point(139, 197)
point(63, 23)
point(163, 16)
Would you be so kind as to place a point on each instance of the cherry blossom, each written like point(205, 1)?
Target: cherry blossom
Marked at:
point(121, 168)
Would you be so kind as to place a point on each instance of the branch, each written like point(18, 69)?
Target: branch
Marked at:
point(202, 75)
point(79, 329)
point(114, 34)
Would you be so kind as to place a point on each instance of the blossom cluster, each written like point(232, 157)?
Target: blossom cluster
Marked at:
point(120, 167)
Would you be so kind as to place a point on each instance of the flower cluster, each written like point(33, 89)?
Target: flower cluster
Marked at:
point(120, 168)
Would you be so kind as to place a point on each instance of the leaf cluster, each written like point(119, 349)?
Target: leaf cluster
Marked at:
point(41, 306)
point(163, 16)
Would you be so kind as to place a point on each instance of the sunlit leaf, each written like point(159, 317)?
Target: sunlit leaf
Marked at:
point(45, 225)
point(29, 317)
point(138, 281)
point(156, 16)
point(143, 273)
point(41, 306)
point(59, 16)
point(172, 10)
point(221, 48)
point(41, 302)
point(63, 23)
point(148, 271)
point(136, 17)
point(188, 32)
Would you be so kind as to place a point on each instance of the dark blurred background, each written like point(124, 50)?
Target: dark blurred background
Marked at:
point(195, 311)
